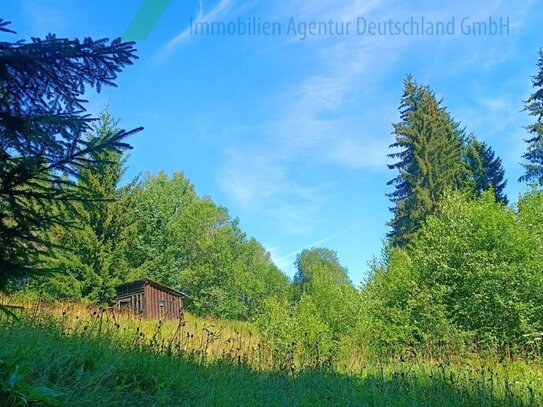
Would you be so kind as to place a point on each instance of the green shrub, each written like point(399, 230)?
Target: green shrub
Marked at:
point(473, 276)
point(398, 315)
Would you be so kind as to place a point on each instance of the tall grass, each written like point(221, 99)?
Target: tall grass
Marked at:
point(72, 355)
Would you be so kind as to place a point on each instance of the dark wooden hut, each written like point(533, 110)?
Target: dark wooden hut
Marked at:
point(149, 299)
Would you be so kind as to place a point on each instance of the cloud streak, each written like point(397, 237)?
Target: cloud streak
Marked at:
point(260, 183)
point(311, 127)
point(337, 116)
point(201, 17)
point(281, 260)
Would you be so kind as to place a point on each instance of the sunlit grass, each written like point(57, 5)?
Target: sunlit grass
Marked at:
point(81, 355)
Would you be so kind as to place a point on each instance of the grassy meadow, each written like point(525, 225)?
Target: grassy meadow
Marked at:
point(72, 355)
point(447, 312)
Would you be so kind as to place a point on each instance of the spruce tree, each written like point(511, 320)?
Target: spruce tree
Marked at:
point(429, 161)
point(487, 170)
point(43, 148)
point(99, 230)
point(533, 169)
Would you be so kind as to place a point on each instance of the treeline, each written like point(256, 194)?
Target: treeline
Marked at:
point(70, 230)
point(461, 270)
point(154, 227)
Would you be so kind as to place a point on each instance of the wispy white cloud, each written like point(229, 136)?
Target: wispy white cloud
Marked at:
point(356, 154)
point(251, 178)
point(331, 116)
point(309, 127)
point(261, 184)
point(318, 242)
point(202, 16)
point(285, 261)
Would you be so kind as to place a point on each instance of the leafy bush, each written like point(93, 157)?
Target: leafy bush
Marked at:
point(473, 276)
point(321, 276)
point(277, 325)
point(313, 335)
point(398, 315)
point(298, 328)
point(483, 265)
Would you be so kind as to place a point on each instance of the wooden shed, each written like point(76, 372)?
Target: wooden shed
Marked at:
point(149, 299)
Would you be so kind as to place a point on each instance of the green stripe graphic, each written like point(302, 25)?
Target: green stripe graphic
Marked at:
point(145, 20)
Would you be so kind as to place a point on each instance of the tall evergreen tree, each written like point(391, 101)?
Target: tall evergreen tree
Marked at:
point(487, 170)
point(430, 161)
point(99, 230)
point(533, 169)
point(43, 147)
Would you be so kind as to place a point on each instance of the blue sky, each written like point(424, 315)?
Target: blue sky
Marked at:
point(292, 134)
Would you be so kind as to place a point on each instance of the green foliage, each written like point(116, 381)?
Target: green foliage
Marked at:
point(43, 149)
point(487, 170)
point(98, 230)
point(160, 203)
point(88, 370)
point(160, 229)
point(399, 316)
point(314, 336)
point(472, 277)
point(430, 160)
point(189, 242)
point(320, 276)
point(13, 393)
point(277, 324)
point(297, 327)
point(315, 263)
point(324, 310)
point(484, 267)
point(534, 106)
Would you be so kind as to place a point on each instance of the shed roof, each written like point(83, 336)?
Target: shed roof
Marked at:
point(156, 284)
